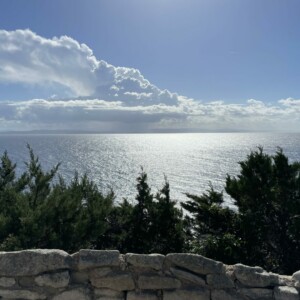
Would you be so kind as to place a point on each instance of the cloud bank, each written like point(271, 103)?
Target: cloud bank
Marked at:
point(95, 95)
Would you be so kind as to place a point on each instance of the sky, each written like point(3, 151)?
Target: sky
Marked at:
point(150, 65)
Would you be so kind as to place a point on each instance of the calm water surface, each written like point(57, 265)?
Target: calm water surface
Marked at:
point(190, 161)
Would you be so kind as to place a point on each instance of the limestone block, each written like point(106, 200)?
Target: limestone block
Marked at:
point(22, 294)
point(255, 276)
point(296, 278)
point(286, 280)
point(55, 280)
point(96, 258)
point(115, 281)
point(100, 272)
point(227, 294)
point(257, 293)
point(286, 293)
point(155, 282)
point(243, 268)
point(229, 271)
point(26, 281)
point(123, 265)
point(196, 294)
point(33, 262)
point(152, 261)
point(75, 294)
point(79, 277)
point(7, 281)
point(188, 276)
point(195, 263)
point(219, 281)
point(108, 294)
point(141, 296)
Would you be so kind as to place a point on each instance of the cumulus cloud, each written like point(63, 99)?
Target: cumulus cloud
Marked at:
point(290, 102)
point(31, 59)
point(28, 58)
point(103, 97)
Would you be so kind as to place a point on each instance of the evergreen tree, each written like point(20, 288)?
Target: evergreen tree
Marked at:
point(267, 194)
point(167, 229)
point(117, 235)
point(36, 213)
point(212, 227)
point(76, 216)
point(37, 189)
point(139, 233)
point(265, 228)
point(11, 198)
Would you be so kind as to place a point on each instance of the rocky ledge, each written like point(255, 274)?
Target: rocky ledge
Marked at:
point(96, 274)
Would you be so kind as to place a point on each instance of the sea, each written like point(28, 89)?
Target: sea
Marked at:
point(189, 161)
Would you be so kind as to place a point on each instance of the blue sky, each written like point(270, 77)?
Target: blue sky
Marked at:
point(187, 64)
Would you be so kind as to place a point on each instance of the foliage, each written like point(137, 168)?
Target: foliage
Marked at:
point(119, 223)
point(168, 227)
point(154, 224)
point(267, 194)
point(265, 229)
point(38, 209)
point(36, 213)
point(139, 232)
point(212, 227)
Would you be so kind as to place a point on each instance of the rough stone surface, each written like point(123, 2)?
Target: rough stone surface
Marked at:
point(108, 294)
point(196, 263)
point(158, 282)
point(75, 294)
point(257, 293)
point(229, 270)
point(26, 281)
point(122, 262)
point(96, 258)
point(219, 281)
point(100, 272)
point(255, 276)
point(286, 280)
point(229, 294)
point(79, 277)
point(286, 293)
point(22, 294)
point(196, 294)
point(141, 296)
point(107, 275)
point(188, 276)
point(296, 278)
point(33, 262)
point(55, 280)
point(152, 261)
point(7, 281)
point(116, 281)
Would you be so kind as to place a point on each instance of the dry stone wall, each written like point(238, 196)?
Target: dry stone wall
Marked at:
point(96, 274)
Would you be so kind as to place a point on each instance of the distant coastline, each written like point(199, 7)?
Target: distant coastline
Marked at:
point(153, 131)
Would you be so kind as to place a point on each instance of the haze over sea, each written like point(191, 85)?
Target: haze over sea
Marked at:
point(189, 160)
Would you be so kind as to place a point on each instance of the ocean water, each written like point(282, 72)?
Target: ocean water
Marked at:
point(190, 161)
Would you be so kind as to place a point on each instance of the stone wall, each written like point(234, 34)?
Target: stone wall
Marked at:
point(93, 274)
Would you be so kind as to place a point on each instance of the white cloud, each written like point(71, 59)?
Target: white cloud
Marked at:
point(188, 114)
point(107, 97)
point(290, 102)
point(28, 58)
